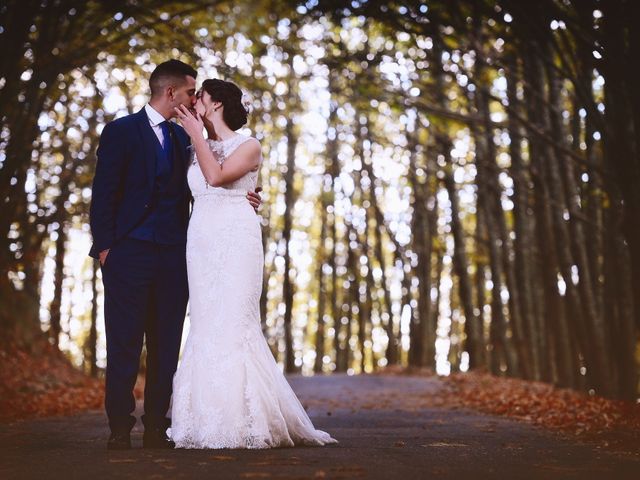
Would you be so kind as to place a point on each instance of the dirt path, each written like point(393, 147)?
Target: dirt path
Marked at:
point(386, 430)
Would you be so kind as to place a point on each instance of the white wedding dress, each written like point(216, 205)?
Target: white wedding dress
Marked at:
point(228, 391)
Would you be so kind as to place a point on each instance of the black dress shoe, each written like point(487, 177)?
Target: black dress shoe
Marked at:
point(119, 441)
point(157, 438)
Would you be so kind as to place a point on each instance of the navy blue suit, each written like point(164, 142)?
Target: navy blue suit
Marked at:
point(140, 211)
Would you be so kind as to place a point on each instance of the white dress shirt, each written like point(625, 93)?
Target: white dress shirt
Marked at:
point(155, 119)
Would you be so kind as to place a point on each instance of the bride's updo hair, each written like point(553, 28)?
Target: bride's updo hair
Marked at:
point(234, 113)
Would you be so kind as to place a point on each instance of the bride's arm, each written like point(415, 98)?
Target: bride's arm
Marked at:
point(244, 159)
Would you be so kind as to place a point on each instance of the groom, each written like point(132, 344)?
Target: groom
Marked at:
point(138, 217)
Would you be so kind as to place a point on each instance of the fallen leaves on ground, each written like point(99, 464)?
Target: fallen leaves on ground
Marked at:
point(42, 382)
point(612, 423)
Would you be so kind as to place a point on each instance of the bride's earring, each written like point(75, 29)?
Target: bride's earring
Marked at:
point(210, 109)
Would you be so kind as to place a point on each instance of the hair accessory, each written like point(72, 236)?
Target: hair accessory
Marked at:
point(246, 102)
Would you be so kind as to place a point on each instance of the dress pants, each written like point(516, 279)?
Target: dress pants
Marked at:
point(145, 298)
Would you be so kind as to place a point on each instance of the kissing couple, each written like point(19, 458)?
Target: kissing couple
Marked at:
point(173, 219)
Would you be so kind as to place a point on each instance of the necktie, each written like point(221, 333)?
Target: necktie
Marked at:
point(166, 144)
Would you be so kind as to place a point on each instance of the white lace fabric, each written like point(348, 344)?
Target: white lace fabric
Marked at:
point(228, 391)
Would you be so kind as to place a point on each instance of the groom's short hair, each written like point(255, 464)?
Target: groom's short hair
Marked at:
point(169, 72)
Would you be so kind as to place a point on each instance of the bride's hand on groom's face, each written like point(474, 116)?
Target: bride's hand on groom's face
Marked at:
point(192, 123)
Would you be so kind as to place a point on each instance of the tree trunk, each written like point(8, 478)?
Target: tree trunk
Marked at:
point(320, 278)
point(420, 238)
point(621, 133)
point(501, 265)
point(554, 311)
point(55, 308)
point(595, 328)
point(425, 307)
point(524, 261)
point(287, 285)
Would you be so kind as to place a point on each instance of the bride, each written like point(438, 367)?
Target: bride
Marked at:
point(228, 391)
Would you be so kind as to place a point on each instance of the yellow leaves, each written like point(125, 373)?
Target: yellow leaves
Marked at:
point(223, 458)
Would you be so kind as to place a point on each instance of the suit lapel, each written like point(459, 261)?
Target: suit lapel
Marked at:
point(181, 142)
point(180, 145)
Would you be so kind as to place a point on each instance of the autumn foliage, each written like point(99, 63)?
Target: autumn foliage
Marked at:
point(544, 404)
point(42, 382)
point(608, 422)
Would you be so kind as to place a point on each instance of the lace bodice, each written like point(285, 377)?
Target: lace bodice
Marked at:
point(197, 182)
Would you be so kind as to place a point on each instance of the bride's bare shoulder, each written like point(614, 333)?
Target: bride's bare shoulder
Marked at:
point(251, 144)
point(254, 140)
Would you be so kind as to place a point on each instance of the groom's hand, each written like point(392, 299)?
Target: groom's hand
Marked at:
point(254, 198)
point(103, 256)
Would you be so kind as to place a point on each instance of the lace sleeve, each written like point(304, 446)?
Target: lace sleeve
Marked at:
point(217, 147)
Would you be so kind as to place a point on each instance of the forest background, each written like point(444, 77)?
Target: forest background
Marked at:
point(447, 185)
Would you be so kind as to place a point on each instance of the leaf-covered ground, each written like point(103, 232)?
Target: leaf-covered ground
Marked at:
point(43, 383)
point(384, 424)
point(610, 423)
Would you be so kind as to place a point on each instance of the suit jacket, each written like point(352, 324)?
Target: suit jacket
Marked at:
point(124, 181)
